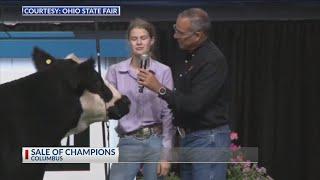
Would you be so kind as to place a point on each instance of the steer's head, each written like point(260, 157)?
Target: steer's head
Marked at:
point(99, 100)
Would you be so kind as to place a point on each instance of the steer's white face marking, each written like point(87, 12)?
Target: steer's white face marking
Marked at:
point(94, 110)
point(93, 106)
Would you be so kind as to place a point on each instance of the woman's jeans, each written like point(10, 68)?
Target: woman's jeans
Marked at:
point(135, 150)
point(205, 146)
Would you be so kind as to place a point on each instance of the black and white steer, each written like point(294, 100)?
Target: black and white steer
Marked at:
point(62, 98)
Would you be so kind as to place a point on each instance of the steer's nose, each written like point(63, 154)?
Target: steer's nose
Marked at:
point(120, 108)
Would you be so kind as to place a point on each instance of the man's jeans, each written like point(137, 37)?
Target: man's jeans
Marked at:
point(132, 149)
point(205, 144)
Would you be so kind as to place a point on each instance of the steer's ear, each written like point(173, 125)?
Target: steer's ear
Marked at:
point(41, 59)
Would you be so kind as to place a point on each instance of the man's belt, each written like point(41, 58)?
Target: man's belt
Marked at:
point(145, 132)
point(183, 131)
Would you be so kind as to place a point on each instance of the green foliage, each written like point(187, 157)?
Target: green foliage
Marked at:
point(247, 171)
point(172, 176)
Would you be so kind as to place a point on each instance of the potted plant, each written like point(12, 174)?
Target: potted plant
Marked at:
point(243, 169)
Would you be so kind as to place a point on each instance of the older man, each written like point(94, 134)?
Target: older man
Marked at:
point(200, 99)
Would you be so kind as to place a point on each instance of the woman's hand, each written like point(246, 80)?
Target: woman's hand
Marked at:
point(149, 80)
point(163, 168)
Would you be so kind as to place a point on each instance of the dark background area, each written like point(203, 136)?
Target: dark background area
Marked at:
point(275, 78)
point(273, 51)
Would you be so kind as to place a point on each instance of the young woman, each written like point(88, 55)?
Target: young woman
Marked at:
point(147, 130)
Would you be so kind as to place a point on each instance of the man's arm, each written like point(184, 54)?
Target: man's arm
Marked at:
point(205, 87)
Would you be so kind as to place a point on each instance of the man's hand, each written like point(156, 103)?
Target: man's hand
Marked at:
point(163, 168)
point(148, 79)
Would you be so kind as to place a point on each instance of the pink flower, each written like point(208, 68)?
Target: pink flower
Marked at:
point(239, 158)
point(269, 178)
point(234, 147)
point(247, 164)
point(246, 169)
point(241, 168)
point(234, 136)
point(262, 170)
point(254, 166)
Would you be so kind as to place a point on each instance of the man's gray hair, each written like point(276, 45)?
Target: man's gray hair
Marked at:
point(199, 19)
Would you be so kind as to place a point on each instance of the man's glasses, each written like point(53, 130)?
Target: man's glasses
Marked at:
point(180, 33)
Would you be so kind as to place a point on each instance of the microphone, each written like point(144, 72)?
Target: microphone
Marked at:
point(144, 63)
